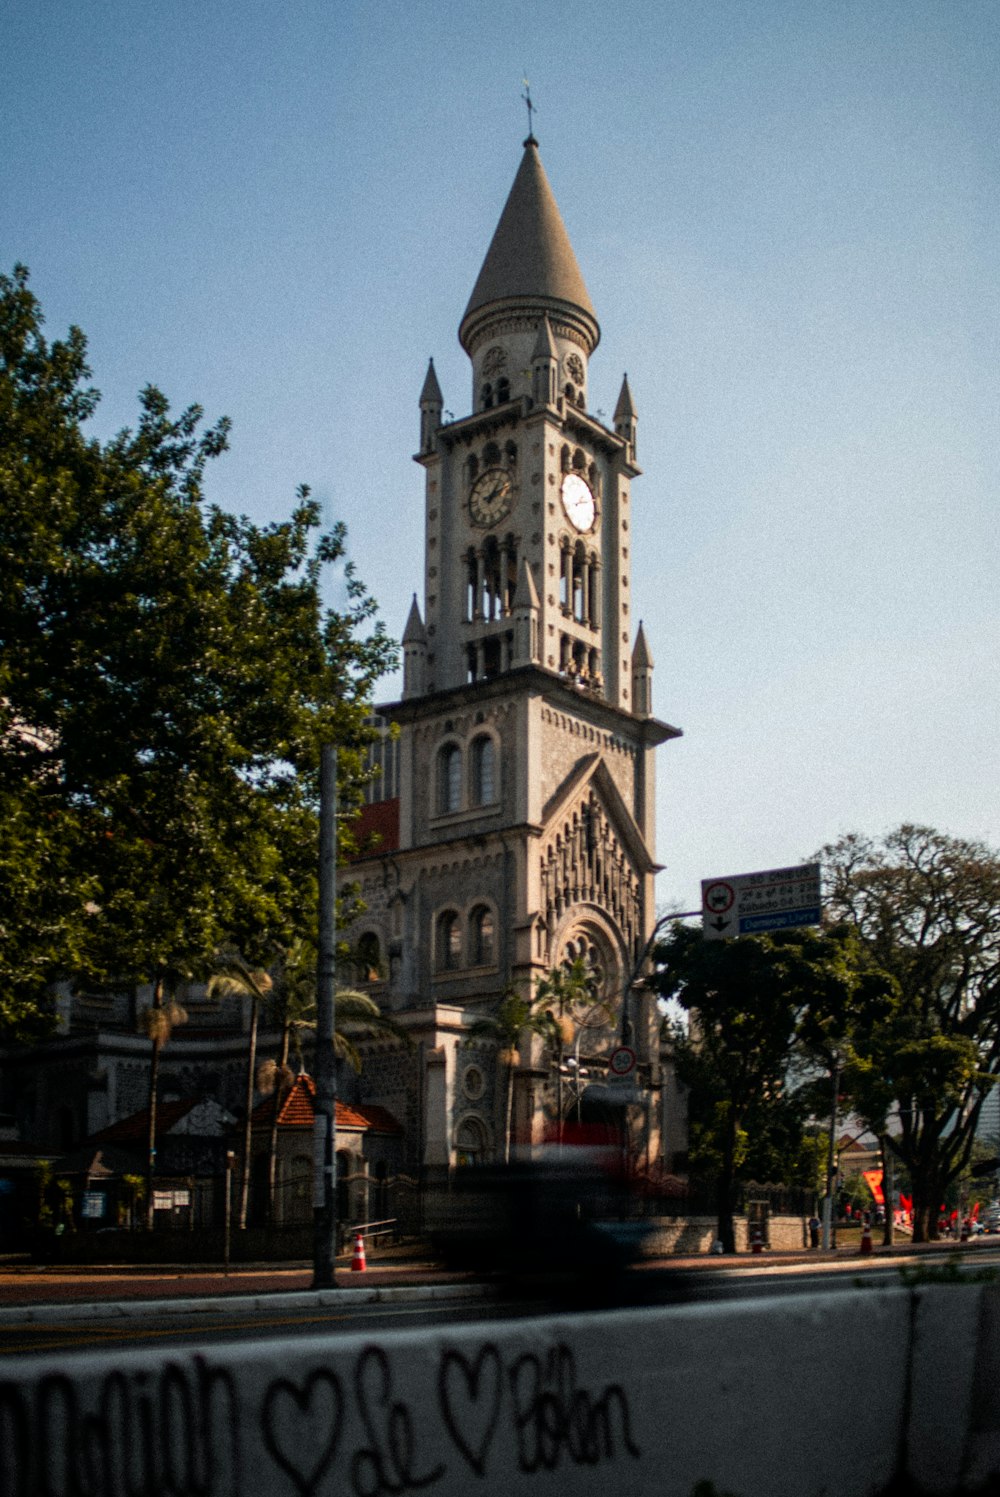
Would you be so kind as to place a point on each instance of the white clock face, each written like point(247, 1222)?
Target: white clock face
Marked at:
point(578, 502)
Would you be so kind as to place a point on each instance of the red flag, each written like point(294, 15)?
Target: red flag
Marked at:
point(873, 1179)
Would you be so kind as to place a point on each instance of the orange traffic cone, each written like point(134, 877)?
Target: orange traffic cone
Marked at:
point(358, 1264)
point(866, 1240)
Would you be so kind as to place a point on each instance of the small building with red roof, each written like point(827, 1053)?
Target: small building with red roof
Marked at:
point(369, 1146)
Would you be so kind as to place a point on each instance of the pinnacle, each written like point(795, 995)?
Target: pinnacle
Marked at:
point(431, 392)
point(414, 633)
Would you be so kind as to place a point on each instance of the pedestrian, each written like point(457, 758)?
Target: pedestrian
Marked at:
point(814, 1231)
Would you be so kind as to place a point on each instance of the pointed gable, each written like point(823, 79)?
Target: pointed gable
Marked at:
point(592, 771)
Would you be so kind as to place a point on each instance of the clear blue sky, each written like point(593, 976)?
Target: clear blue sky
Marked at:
point(786, 213)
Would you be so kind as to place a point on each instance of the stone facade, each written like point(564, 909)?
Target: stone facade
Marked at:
point(525, 755)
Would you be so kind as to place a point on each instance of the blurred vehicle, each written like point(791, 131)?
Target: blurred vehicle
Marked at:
point(567, 1215)
point(990, 1218)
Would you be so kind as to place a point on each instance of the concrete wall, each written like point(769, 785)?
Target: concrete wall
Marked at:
point(751, 1396)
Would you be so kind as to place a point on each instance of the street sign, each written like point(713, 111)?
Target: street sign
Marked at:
point(615, 1094)
point(621, 1062)
point(776, 899)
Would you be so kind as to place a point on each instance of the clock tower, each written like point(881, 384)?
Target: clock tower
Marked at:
point(518, 822)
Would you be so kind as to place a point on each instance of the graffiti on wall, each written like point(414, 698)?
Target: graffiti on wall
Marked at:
point(191, 1427)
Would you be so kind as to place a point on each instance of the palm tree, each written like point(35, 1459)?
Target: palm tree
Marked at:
point(561, 994)
point(515, 1017)
point(159, 1021)
point(234, 978)
point(288, 991)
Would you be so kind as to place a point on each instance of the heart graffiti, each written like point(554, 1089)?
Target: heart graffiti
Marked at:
point(469, 1394)
point(302, 1427)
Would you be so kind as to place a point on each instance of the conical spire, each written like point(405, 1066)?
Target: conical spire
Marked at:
point(526, 594)
point(414, 654)
point(414, 633)
point(642, 675)
point(431, 393)
point(545, 344)
point(642, 657)
point(525, 609)
point(530, 257)
point(624, 410)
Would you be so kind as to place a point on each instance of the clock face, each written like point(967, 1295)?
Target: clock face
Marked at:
point(578, 502)
point(490, 497)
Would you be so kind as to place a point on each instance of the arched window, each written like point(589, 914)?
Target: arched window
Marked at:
point(484, 772)
point(487, 397)
point(369, 957)
point(449, 942)
point(483, 937)
point(503, 391)
point(450, 778)
point(470, 1142)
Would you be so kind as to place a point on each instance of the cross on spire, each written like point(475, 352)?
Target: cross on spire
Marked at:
point(532, 109)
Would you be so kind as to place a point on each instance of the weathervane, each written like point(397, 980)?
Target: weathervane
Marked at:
point(532, 108)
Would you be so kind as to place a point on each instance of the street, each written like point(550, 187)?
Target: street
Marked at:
point(79, 1312)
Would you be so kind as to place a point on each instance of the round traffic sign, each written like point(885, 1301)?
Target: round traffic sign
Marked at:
point(718, 897)
point(621, 1062)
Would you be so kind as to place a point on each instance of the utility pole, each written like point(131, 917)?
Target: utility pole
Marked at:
point(831, 1143)
point(324, 1134)
point(888, 1191)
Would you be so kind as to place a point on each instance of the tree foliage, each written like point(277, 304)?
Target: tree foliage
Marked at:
point(753, 1004)
point(927, 908)
point(168, 672)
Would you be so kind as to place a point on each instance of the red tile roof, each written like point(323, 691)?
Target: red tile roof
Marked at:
point(298, 1111)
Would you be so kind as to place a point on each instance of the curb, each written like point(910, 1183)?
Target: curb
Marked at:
point(240, 1304)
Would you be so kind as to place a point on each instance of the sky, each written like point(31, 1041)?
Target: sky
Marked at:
point(786, 214)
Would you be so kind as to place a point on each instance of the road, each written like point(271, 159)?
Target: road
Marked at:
point(81, 1326)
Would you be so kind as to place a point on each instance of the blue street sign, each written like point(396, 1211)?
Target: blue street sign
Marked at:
point(784, 921)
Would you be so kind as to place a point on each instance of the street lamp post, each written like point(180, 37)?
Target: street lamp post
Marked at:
point(830, 1171)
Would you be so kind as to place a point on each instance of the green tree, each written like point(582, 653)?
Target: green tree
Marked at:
point(927, 908)
point(751, 1002)
point(168, 673)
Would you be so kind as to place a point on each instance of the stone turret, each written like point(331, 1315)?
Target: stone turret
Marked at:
point(431, 406)
point(414, 654)
point(525, 612)
point(625, 418)
point(545, 366)
point(642, 676)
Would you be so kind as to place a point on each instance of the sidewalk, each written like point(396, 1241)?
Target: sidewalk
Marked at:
point(29, 1291)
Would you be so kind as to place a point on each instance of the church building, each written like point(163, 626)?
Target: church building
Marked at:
point(515, 817)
